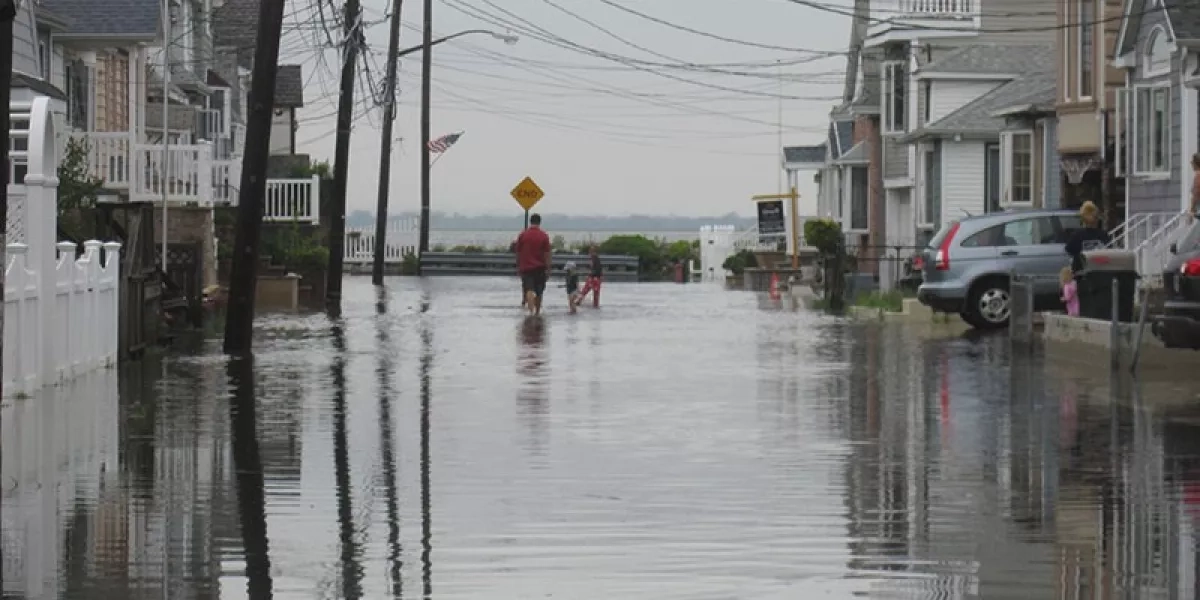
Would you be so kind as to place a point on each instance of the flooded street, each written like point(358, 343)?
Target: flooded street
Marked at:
point(683, 442)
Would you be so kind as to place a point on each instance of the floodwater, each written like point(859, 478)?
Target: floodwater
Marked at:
point(682, 442)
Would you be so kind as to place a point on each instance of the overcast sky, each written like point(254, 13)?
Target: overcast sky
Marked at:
point(601, 135)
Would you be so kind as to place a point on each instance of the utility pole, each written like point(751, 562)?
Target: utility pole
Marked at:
point(341, 157)
point(385, 149)
point(243, 278)
point(165, 173)
point(8, 14)
point(426, 67)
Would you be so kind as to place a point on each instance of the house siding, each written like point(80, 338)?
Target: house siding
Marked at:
point(895, 158)
point(962, 179)
point(949, 95)
point(1161, 193)
point(25, 41)
point(1017, 22)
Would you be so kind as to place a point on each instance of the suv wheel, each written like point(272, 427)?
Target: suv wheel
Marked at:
point(989, 304)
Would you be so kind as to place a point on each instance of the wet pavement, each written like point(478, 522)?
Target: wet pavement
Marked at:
point(681, 442)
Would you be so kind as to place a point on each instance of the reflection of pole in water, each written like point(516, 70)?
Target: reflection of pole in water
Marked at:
point(426, 366)
point(387, 446)
point(351, 570)
point(247, 464)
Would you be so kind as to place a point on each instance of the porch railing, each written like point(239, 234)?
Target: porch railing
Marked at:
point(293, 200)
point(108, 155)
point(936, 8)
point(186, 177)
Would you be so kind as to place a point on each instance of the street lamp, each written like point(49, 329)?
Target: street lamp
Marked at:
point(385, 151)
point(427, 66)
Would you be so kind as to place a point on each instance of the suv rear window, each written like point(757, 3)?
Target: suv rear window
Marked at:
point(937, 240)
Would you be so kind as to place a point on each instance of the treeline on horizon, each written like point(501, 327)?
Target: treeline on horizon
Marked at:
point(560, 222)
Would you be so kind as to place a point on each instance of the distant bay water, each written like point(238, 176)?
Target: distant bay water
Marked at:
point(449, 237)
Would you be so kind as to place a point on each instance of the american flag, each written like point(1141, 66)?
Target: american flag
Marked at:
point(443, 143)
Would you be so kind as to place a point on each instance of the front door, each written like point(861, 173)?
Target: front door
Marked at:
point(991, 179)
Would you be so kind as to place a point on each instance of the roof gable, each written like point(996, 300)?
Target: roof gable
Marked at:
point(1037, 90)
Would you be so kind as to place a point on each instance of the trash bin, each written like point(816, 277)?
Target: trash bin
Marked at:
point(1100, 269)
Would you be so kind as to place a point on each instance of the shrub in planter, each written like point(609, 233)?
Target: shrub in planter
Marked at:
point(823, 234)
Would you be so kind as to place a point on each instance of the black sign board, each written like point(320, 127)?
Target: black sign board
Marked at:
point(771, 226)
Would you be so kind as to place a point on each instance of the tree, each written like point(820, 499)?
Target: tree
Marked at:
point(77, 187)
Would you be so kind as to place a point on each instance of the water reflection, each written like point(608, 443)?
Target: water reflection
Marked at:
point(348, 536)
point(251, 486)
point(533, 387)
point(725, 451)
point(387, 446)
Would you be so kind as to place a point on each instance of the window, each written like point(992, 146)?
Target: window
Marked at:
point(1121, 128)
point(895, 84)
point(1021, 232)
point(859, 216)
point(1085, 56)
point(1157, 60)
point(1017, 168)
point(931, 209)
point(44, 48)
point(991, 176)
point(925, 117)
point(77, 84)
point(1152, 130)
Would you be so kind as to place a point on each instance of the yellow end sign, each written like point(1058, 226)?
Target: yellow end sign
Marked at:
point(527, 193)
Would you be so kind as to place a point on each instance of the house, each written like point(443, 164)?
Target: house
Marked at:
point(986, 130)
point(289, 96)
point(892, 41)
point(1087, 91)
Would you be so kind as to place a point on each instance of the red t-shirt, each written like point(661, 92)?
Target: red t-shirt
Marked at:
point(532, 246)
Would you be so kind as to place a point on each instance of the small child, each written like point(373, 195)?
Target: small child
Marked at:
point(1070, 291)
point(572, 286)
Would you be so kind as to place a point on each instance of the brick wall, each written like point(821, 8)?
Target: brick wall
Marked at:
point(190, 224)
point(866, 128)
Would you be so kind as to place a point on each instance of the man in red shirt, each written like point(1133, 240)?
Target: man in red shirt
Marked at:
point(533, 262)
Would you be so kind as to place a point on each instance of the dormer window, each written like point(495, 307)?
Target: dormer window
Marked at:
point(1157, 60)
point(43, 42)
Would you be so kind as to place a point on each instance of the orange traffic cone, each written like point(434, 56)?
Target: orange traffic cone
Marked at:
point(774, 289)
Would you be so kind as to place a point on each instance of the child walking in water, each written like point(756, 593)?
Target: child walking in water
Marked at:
point(1070, 291)
point(595, 275)
point(572, 286)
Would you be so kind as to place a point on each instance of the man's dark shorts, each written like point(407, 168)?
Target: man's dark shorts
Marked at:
point(534, 281)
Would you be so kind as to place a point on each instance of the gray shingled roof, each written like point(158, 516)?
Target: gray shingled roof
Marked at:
point(289, 86)
point(845, 134)
point(235, 24)
point(804, 154)
point(107, 18)
point(867, 96)
point(1132, 25)
point(978, 117)
point(855, 156)
point(1185, 19)
point(994, 59)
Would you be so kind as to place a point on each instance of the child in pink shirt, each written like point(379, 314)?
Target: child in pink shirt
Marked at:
point(1070, 291)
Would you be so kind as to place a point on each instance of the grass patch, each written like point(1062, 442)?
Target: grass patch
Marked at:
point(888, 301)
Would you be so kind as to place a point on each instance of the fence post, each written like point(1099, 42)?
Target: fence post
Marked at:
point(111, 311)
point(1114, 339)
point(314, 200)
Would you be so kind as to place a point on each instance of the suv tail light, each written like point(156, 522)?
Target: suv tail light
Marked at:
point(941, 261)
point(1191, 268)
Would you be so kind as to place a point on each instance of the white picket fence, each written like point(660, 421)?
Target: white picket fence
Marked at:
point(61, 314)
point(401, 239)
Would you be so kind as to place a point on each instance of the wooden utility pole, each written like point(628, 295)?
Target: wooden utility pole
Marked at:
point(243, 278)
point(385, 149)
point(341, 156)
point(426, 69)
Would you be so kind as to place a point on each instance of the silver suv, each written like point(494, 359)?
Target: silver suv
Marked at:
point(967, 264)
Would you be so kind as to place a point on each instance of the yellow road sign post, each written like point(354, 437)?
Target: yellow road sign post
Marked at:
point(794, 205)
point(527, 194)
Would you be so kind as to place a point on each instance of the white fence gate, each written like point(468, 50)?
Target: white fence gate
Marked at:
point(60, 313)
point(401, 240)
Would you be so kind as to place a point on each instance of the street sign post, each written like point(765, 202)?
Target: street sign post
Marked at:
point(527, 194)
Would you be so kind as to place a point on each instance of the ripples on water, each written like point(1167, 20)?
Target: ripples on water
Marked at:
point(682, 442)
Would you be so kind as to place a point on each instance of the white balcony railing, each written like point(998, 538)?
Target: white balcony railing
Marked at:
point(108, 155)
point(293, 200)
point(936, 8)
point(186, 176)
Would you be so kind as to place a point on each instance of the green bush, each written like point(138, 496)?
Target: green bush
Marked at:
point(650, 253)
point(410, 264)
point(823, 234)
point(295, 248)
point(738, 262)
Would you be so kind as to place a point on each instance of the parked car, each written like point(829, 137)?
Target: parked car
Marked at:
point(967, 265)
point(1179, 325)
